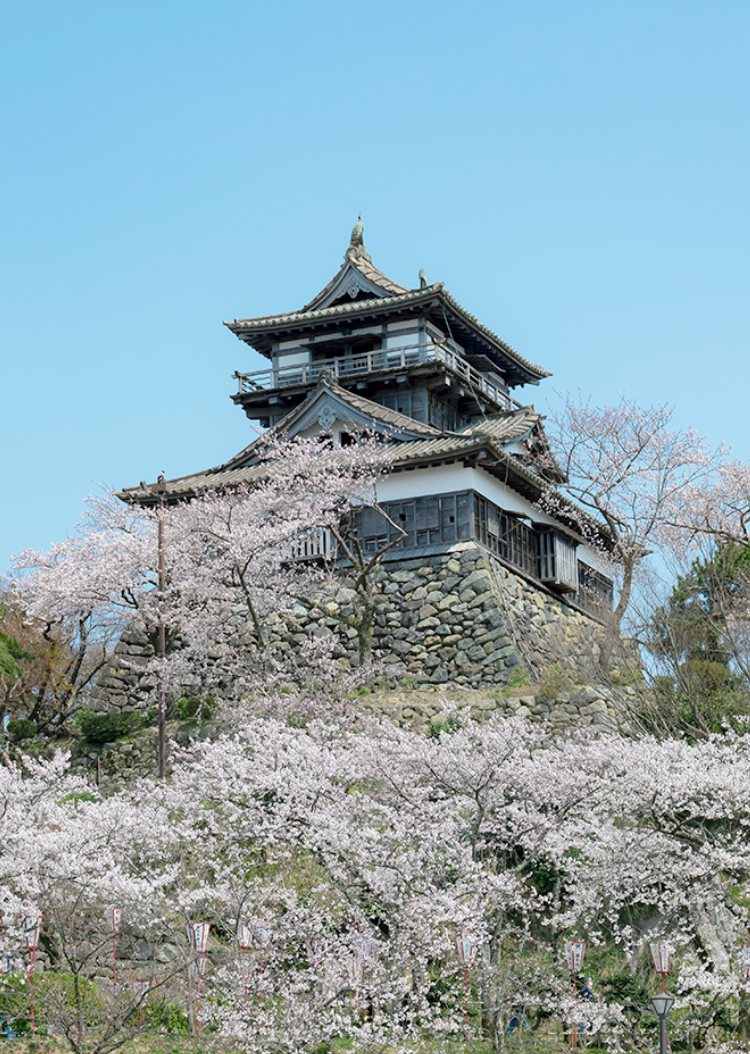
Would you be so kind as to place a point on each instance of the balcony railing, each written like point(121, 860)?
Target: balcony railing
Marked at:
point(316, 544)
point(376, 362)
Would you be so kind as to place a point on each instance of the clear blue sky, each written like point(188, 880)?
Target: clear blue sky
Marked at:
point(577, 173)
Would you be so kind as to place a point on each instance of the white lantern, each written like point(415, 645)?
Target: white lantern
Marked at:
point(114, 918)
point(30, 927)
point(467, 950)
point(574, 954)
point(660, 955)
point(362, 948)
point(244, 937)
point(199, 932)
point(262, 932)
point(746, 964)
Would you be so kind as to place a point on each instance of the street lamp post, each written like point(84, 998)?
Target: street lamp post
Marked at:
point(662, 1004)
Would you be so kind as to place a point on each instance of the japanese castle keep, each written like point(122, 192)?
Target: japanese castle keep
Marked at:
point(483, 581)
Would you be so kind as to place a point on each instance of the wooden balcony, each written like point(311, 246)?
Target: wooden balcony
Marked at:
point(377, 362)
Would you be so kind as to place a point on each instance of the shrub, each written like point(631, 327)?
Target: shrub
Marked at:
point(555, 680)
point(104, 728)
point(191, 706)
point(21, 728)
point(168, 1018)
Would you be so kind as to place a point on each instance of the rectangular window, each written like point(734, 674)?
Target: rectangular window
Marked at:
point(431, 520)
point(557, 561)
point(513, 540)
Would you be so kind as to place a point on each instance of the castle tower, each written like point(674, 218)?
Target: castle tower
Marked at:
point(469, 463)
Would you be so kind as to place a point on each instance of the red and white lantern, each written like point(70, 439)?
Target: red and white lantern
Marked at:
point(467, 955)
point(573, 951)
point(199, 935)
point(745, 964)
point(467, 950)
point(114, 919)
point(660, 955)
point(30, 929)
point(244, 937)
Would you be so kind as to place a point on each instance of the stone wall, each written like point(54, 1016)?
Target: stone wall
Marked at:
point(463, 618)
point(458, 618)
point(599, 708)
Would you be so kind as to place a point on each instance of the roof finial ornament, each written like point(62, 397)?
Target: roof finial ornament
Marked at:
point(422, 279)
point(357, 246)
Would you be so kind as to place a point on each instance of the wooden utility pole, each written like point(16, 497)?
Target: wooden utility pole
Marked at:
point(161, 490)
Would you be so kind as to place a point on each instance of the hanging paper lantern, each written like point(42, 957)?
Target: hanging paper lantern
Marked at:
point(30, 929)
point(467, 950)
point(244, 937)
point(199, 932)
point(574, 954)
point(660, 955)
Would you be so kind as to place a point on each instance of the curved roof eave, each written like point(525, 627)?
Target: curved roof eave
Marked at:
point(245, 328)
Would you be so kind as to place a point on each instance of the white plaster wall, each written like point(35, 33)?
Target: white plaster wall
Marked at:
point(403, 339)
point(294, 358)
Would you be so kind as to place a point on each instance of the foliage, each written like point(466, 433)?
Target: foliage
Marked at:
point(20, 728)
point(45, 667)
point(169, 1018)
point(356, 851)
point(697, 643)
point(555, 680)
point(12, 657)
point(104, 728)
point(192, 706)
point(231, 574)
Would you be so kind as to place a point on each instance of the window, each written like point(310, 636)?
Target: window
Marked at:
point(432, 520)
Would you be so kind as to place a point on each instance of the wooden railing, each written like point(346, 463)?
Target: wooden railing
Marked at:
point(376, 362)
point(316, 544)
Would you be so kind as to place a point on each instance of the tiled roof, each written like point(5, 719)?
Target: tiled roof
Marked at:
point(391, 418)
point(445, 447)
point(507, 426)
point(262, 322)
point(405, 452)
point(365, 268)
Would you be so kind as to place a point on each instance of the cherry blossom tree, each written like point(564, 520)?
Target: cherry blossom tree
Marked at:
point(232, 567)
point(354, 852)
point(400, 842)
point(628, 468)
